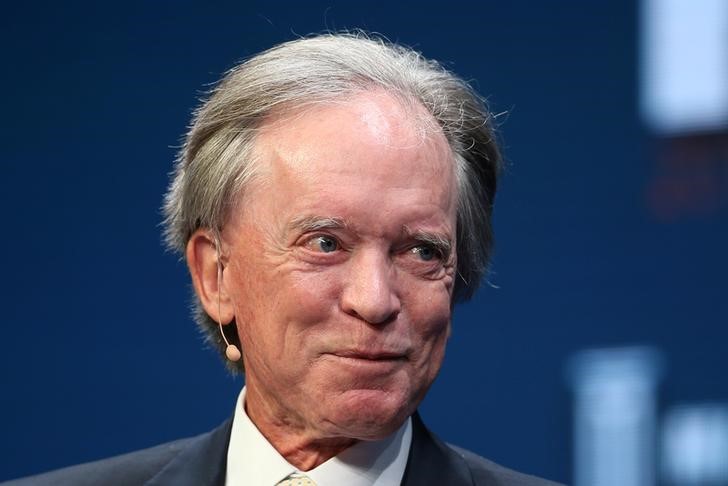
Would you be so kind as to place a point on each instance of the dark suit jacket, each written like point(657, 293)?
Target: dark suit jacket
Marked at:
point(201, 461)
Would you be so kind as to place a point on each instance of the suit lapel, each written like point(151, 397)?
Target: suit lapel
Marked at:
point(202, 462)
point(431, 462)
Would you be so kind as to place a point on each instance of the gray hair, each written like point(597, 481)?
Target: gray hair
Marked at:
point(216, 160)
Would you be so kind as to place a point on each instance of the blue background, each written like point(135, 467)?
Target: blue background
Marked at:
point(99, 355)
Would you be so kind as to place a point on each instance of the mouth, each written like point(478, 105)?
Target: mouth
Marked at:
point(369, 355)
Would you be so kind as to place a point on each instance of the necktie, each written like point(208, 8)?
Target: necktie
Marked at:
point(296, 479)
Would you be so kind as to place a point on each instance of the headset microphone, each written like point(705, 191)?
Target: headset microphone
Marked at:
point(231, 351)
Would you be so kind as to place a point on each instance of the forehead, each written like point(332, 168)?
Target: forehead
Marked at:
point(372, 125)
point(363, 156)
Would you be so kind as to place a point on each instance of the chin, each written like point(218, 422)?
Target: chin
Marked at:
point(369, 414)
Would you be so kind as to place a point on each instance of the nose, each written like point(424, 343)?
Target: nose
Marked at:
point(370, 291)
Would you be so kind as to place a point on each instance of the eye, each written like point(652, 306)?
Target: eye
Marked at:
point(323, 244)
point(426, 253)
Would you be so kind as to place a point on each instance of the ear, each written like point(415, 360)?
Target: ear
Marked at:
point(202, 259)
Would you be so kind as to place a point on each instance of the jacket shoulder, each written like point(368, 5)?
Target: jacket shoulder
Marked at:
point(134, 468)
point(486, 472)
point(433, 461)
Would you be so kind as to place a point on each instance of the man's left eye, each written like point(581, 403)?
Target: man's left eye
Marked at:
point(426, 252)
point(323, 244)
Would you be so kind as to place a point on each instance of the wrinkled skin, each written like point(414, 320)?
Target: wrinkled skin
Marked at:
point(339, 267)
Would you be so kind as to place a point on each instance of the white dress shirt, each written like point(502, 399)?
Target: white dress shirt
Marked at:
point(253, 461)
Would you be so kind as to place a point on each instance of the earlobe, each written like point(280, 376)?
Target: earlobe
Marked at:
point(203, 262)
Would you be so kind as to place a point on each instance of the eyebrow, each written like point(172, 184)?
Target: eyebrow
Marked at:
point(316, 223)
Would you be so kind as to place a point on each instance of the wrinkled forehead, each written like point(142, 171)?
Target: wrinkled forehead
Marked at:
point(375, 121)
point(376, 139)
point(398, 120)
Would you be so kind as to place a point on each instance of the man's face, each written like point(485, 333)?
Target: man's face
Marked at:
point(341, 263)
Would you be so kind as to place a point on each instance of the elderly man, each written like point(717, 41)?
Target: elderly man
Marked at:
point(333, 201)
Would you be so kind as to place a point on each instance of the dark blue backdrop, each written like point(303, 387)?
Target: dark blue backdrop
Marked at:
point(99, 355)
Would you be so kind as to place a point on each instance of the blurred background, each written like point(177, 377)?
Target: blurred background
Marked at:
point(596, 356)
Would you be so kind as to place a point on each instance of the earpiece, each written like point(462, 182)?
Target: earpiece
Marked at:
point(231, 352)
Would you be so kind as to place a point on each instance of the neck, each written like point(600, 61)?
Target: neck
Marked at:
point(306, 456)
point(300, 446)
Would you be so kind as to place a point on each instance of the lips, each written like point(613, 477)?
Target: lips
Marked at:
point(370, 355)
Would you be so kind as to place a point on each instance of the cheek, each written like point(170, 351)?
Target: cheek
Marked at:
point(312, 295)
point(429, 310)
point(279, 307)
point(255, 289)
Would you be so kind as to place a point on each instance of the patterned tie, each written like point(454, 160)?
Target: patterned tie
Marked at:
point(296, 479)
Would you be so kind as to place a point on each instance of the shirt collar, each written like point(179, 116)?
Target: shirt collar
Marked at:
point(252, 460)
